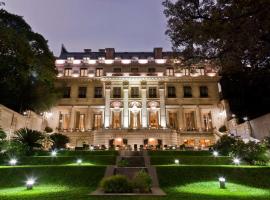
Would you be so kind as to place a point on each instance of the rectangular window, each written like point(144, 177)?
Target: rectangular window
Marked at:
point(66, 92)
point(190, 121)
point(116, 92)
point(82, 92)
point(134, 70)
point(99, 72)
point(83, 72)
point(134, 92)
point(97, 121)
point(170, 71)
point(117, 70)
point(171, 92)
point(151, 70)
point(203, 91)
point(152, 92)
point(187, 91)
point(67, 72)
point(98, 92)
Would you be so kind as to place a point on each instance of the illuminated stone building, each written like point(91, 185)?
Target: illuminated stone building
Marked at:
point(136, 99)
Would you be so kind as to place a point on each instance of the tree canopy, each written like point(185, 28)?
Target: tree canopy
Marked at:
point(235, 35)
point(26, 66)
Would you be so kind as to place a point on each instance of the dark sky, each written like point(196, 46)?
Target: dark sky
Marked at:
point(126, 25)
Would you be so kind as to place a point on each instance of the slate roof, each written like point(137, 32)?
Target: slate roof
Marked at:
point(123, 55)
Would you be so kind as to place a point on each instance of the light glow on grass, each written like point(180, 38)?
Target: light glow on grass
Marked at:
point(79, 161)
point(236, 161)
point(215, 153)
point(176, 161)
point(54, 153)
point(13, 161)
point(211, 188)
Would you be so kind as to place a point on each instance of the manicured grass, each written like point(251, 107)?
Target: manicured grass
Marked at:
point(191, 160)
point(179, 153)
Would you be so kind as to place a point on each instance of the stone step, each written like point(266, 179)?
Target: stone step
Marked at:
point(135, 161)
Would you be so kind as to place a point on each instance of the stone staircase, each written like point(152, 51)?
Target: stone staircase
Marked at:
point(137, 160)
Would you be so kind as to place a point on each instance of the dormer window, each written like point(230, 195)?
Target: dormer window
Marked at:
point(169, 71)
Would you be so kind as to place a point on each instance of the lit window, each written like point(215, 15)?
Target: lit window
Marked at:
point(170, 71)
point(68, 72)
point(83, 72)
point(99, 72)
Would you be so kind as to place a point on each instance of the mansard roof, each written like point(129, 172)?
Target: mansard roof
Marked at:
point(123, 55)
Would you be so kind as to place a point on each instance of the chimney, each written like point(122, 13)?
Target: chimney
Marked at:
point(158, 53)
point(109, 53)
point(87, 50)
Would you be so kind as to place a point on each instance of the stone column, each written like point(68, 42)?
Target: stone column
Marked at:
point(89, 118)
point(144, 107)
point(72, 118)
point(107, 104)
point(162, 105)
point(125, 112)
point(198, 118)
point(181, 125)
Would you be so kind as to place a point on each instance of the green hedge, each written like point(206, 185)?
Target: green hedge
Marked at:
point(191, 160)
point(61, 160)
point(63, 175)
point(170, 176)
point(75, 153)
point(179, 153)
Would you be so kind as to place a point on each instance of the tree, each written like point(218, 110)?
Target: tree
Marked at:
point(59, 140)
point(26, 66)
point(30, 138)
point(233, 35)
point(3, 135)
point(225, 145)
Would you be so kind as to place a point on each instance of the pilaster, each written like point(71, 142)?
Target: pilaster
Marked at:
point(144, 108)
point(107, 104)
point(162, 105)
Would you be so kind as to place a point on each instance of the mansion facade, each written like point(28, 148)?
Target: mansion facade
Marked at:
point(136, 99)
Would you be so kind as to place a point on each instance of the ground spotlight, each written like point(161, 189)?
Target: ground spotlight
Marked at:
point(222, 182)
point(54, 153)
point(176, 161)
point(215, 153)
point(236, 161)
point(13, 161)
point(79, 161)
point(30, 183)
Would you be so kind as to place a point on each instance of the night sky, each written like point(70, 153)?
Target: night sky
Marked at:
point(126, 25)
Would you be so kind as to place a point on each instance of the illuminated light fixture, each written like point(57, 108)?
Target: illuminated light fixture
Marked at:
point(91, 148)
point(109, 62)
point(151, 139)
point(79, 161)
point(48, 114)
point(92, 62)
point(176, 161)
point(233, 115)
point(119, 139)
point(236, 161)
point(30, 183)
point(160, 61)
point(75, 75)
point(245, 118)
point(54, 153)
point(13, 161)
point(126, 61)
point(143, 61)
point(76, 62)
point(160, 73)
point(211, 73)
point(222, 182)
point(59, 75)
point(25, 113)
point(215, 153)
point(173, 148)
point(179, 74)
point(60, 62)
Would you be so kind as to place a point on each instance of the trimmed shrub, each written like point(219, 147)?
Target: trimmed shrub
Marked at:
point(116, 184)
point(48, 129)
point(142, 181)
point(225, 144)
point(59, 140)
